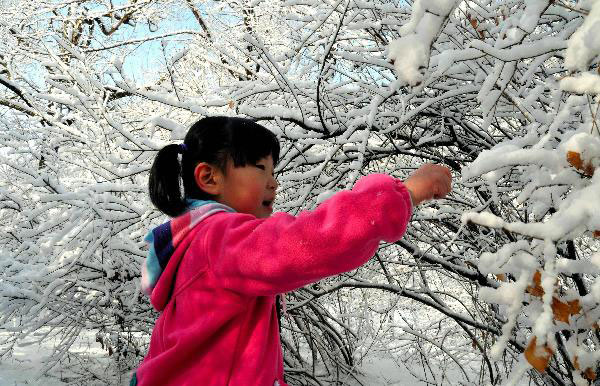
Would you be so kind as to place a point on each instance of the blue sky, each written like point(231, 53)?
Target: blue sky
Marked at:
point(148, 58)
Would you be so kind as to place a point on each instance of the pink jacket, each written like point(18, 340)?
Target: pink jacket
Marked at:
point(218, 324)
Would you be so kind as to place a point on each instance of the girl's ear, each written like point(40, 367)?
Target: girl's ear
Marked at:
point(208, 178)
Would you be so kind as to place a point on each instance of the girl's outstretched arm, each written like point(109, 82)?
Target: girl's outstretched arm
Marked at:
point(285, 252)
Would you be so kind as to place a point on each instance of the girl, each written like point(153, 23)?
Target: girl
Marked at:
point(214, 270)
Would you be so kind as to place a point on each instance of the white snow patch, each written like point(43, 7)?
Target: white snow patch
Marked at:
point(584, 44)
point(410, 53)
point(586, 83)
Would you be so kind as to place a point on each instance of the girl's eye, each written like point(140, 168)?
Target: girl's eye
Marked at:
point(260, 167)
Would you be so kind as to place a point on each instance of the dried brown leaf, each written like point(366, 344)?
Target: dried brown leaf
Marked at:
point(536, 289)
point(574, 307)
point(574, 159)
point(560, 310)
point(588, 374)
point(538, 356)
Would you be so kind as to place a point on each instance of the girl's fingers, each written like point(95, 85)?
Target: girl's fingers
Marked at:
point(443, 188)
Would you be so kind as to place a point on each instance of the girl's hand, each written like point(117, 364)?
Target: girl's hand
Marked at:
point(428, 182)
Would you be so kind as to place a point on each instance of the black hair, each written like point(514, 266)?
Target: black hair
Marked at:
point(214, 140)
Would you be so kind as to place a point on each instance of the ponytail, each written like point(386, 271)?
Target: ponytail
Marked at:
point(164, 183)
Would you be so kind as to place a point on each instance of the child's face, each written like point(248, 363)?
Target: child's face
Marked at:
point(250, 189)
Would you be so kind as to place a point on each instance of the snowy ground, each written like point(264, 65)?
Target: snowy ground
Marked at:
point(24, 373)
point(28, 362)
point(24, 370)
point(25, 367)
point(27, 373)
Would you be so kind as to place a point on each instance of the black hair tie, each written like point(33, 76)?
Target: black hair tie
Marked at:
point(182, 148)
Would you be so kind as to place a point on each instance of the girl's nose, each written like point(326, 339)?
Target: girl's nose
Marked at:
point(273, 183)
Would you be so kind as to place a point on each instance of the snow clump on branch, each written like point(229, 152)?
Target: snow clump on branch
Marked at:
point(583, 47)
point(410, 53)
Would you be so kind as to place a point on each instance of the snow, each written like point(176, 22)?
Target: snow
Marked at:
point(484, 218)
point(420, 8)
point(584, 45)
point(410, 53)
point(500, 261)
point(177, 56)
point(178, 131)
point(543, 324)
point(596, 291)
point(25, 372)
point(325, 195)
point(509, 74)
point(571, 267)
point(521, 51)
point(378, 369)
point(503, 295)
point(584, 143)
point(579, 211)
point(517, 290)
point(529, 18)
point(524, 21)
point(595, 260)
point(28, 362)
point(585, 83)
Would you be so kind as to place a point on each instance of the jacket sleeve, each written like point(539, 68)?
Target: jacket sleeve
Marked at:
point(285, 252)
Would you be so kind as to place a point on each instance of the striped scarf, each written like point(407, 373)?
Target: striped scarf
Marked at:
point(164, 238)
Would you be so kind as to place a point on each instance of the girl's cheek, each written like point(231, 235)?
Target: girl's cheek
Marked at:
point(250, 198)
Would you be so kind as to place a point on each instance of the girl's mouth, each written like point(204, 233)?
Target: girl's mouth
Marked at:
point(268, 204)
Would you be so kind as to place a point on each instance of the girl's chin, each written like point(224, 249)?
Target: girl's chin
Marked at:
point(265, 211)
